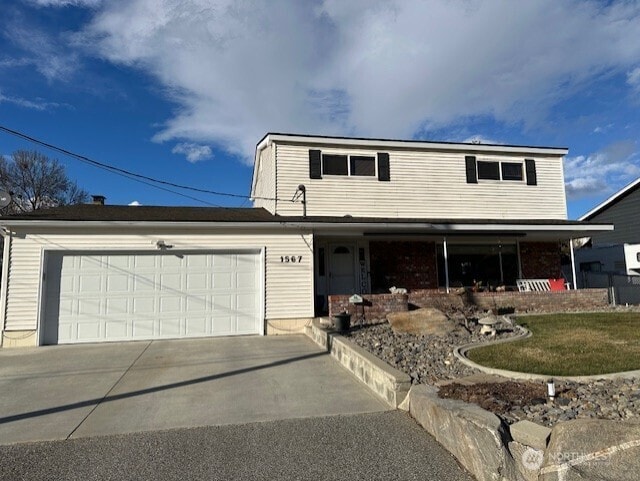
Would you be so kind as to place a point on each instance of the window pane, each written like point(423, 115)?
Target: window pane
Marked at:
point(334, 164)
point(511, 171)
point(488, 170)
point(361, 165)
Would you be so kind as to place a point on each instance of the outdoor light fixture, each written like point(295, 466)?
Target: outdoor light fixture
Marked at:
point(551, 389)
point(163, 245)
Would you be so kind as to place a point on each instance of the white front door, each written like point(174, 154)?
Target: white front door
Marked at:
point(342, 269)
point(112, 296)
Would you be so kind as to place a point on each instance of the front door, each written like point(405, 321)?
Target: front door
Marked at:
point(342, 269)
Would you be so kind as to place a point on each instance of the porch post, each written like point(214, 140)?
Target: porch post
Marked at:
point(573, 264)
point(446, 263)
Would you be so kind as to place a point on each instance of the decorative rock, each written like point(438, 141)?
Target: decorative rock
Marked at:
point(421, 321)
point(474, 436)
point(592, 450)
point(530, 434)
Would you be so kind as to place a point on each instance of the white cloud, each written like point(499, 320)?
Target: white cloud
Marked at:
point(193, 152)
point(633, 79)
point(134, 203)
point(383, 68)
point(601, 172)
point(66, 3)
point(36, 104)
point(48, 54)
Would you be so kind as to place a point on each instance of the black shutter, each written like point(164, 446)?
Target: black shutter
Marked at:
point(472, 170)
point(384, 172)
point(315, 164)
point(530, 167)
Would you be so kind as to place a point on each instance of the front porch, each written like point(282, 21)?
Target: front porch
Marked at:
point(364, 266)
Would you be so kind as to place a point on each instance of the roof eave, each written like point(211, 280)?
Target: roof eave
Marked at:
point(410, 144)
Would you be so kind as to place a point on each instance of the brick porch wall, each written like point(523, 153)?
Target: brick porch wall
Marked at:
point(379, 305)
point(540, 260)
point(408, 264)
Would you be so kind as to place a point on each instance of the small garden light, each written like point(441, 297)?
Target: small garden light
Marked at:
point(551, 389)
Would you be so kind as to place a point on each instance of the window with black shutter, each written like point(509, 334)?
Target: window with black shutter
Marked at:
point(362, 165)
point(333, 164)
point(488, 170)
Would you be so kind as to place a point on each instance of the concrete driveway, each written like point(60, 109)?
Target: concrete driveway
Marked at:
point(61, 392)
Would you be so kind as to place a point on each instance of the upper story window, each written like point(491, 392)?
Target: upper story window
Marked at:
point(499, 170)
point(321, 164)
point(334, 164)
point(363, 165)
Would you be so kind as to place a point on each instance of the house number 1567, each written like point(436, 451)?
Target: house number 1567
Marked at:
point(289, 259)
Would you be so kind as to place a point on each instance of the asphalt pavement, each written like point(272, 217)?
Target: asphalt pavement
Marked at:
point(372, 446)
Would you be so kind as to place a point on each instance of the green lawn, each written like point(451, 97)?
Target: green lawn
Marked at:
point(569, 345)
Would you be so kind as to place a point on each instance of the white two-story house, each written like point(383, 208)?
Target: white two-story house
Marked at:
point(331, 215)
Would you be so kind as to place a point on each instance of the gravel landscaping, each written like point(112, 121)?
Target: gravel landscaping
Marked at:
point(429, 360)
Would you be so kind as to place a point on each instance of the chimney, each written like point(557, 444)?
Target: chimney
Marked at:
point(98, 199)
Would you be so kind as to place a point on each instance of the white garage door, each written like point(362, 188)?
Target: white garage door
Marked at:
point(92, 297)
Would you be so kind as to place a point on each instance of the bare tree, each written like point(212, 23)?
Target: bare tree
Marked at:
point(36, 182)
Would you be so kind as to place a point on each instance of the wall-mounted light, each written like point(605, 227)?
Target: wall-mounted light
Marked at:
point(551, 389)
point(162, 245)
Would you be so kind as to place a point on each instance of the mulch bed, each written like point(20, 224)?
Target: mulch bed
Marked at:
point(498, 398)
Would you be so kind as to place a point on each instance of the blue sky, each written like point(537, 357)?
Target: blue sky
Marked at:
point(183, 90)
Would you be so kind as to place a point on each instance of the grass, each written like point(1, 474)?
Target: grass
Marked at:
point(569, 345)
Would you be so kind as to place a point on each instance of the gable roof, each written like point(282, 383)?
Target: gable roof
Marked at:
point(613, 200)
point(314, 140)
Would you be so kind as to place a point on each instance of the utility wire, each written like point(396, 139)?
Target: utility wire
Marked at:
point(127, 173)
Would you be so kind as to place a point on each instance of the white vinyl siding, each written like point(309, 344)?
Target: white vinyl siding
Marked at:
point(265, 184)
point(625, 216)
point(288, 286)
point(426, 184)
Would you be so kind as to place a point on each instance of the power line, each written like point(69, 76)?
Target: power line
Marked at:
point(129, 174)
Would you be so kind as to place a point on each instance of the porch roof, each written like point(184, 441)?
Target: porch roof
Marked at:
point(381, 226)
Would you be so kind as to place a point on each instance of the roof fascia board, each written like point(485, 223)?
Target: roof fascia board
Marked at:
point(418, 145)
point(433, 227)
point(254, 176)
point(611, 200)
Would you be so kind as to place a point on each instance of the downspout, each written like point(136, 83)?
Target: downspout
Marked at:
point(4, 280)
point(573, 264)
point(446, 263)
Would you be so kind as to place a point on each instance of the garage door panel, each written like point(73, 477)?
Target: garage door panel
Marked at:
point(119, 296)
point(116, 330)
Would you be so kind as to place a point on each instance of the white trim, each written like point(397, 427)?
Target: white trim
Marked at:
point(611, 199)
point(446, 263)
point(42, 292)
point(573, 264)
point(404, 144)
point(302, 225)
point(263, 290)
point(5, 281)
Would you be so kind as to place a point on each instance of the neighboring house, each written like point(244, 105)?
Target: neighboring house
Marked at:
point(331, 216)
point(617, 251)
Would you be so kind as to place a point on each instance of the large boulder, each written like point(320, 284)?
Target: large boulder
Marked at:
point(474, 436)
point(592, 449)
point(427, 320)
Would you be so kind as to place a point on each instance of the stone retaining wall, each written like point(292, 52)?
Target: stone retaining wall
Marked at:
point(582, 449)
point(384, 380)
point(377, 306)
